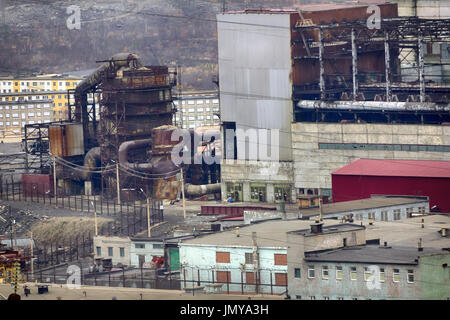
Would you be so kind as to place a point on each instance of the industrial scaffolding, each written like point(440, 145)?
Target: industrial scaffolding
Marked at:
point(397, 40)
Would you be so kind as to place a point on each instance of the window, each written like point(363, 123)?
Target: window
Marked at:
point(191, 102)
point(250, 278)
point(353, 273)
point(297, 273)
point(397, 214)
point(222, 257)
point(311, 272)
point(367, 274)
point(223, 276)
point(338, 273)
point(410, 277)
point(325, 273)
point(110, 251)
point(139, 245)
point(248, 258)
point(280, 279)
point(215, 101)
point(396, 275)
point(157, 246)
point(384, 216)
point(421, 209)
point(371, 215)
point(122, 252)
point(280, 259)
point(99, 251)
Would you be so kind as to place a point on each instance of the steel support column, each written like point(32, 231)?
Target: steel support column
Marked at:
point(322, 67)
point(387, 64)
point(354, 65)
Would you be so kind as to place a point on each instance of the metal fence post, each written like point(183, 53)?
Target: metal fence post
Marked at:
point(271, 285)
point(242, 282)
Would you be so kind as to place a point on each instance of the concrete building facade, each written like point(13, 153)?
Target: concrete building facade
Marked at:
point(197, 109)
point(376, 208)
point(144, 250)
point(115, 248)
point(321, 148)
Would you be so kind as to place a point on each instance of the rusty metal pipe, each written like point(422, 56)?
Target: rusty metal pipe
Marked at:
point(126, 146)
point(91, 161)
point(199, 190)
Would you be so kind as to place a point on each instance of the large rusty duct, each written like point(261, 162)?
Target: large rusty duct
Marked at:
point(135, 100)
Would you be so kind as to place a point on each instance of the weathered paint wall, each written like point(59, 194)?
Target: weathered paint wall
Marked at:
point(431, 9)
point(203, 257)
point(148, 252)
point(390, 212)
point(435, 276)
point(313, 166)
point(350, 289)
point(116, 243)
point(247, 172)
point(254, 72)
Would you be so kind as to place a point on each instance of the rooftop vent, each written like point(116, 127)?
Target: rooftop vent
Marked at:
point(316, 227)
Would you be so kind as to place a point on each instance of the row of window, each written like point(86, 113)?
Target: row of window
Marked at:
point(339, 273)
point(36, 83)
point(197, 101)
point(23, 107)
point(30, 114)
point(31, 98)
point(18, 123)
point(383, 147)
point(111, 251)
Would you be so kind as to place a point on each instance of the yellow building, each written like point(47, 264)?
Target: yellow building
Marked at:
point(51, 88)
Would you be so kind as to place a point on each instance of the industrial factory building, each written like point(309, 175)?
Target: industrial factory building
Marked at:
point(333, 89)
point(366, 177)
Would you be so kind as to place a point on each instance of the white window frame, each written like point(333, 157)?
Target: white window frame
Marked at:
point(325, 273)
point(353, 272)
point(394, 274)
point(313, 269)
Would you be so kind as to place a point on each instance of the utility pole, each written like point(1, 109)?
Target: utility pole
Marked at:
point(11, 221)
point(31, 255)
point(118, 182)
point(95, 219)
point(255, 261)
point(182, 194)
point(148, 217)
point(320, 209)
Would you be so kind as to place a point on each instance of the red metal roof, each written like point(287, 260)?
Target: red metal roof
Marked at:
point(396, 168)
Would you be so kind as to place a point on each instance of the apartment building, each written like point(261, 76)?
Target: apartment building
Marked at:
point(22, 110)
point(197, 109)
point(50, 87)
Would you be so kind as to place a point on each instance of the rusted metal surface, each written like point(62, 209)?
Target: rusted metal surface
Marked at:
point(37, 185)
point(230, 210)
point(66, 140)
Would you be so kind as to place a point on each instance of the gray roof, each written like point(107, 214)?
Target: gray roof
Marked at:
point(330, 229)
point(369, 203)
point(373, 254)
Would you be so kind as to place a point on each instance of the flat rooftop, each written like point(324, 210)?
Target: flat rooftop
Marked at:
point(373, 254)
point(273, 233)
point(334, 228)
point(361, 204)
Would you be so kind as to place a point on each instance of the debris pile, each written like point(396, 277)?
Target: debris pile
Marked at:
point(22, 220)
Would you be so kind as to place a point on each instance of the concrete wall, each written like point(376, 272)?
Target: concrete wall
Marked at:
point(261, 215)
point(313, 166)
point(203, 257)
point(350, 289)
point(247, 172)
point(149, 251)
point(390, 212)
point(116, 243)
point(435, 276)
point(254, 72)
point(432, 9)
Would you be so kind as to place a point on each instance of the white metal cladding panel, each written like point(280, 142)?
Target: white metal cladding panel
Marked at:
point(254, 73)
